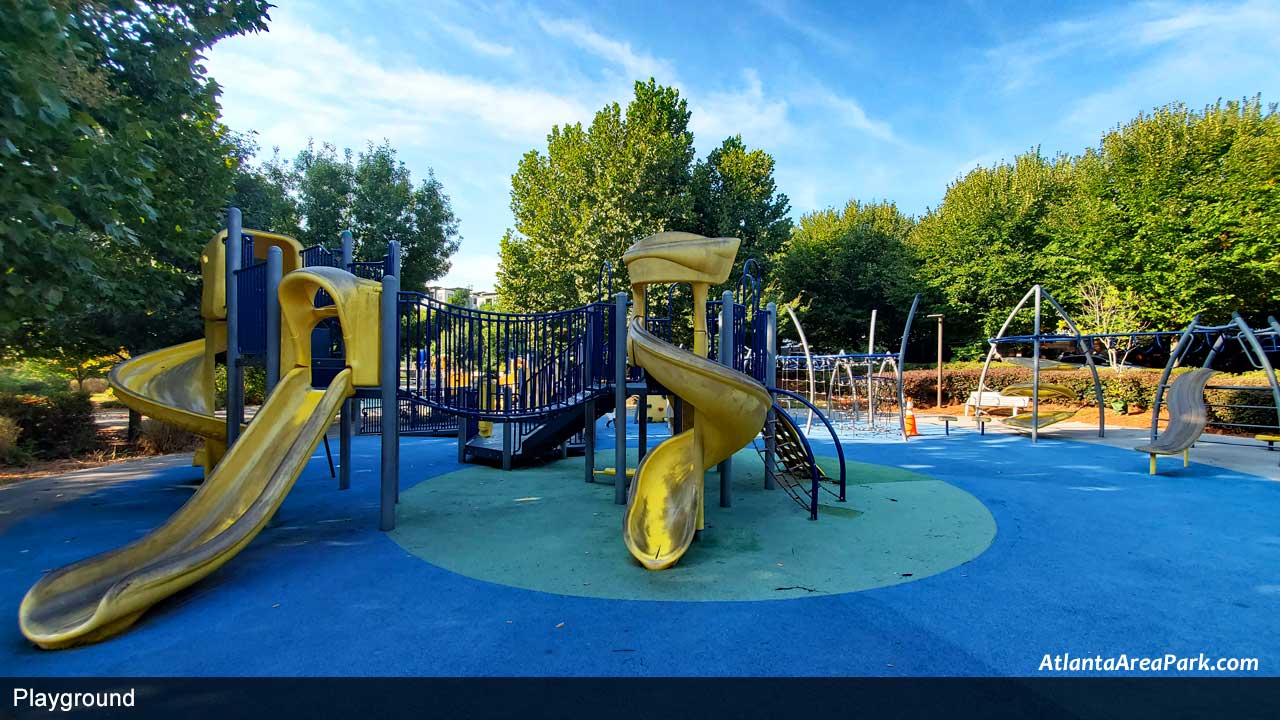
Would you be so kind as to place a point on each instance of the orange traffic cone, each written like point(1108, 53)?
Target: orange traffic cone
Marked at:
point(911, 421)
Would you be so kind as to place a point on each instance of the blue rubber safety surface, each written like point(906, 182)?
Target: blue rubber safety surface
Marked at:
point(1092, 556)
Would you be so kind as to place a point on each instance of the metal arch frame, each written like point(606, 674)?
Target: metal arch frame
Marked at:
point(902, 359)
point(1039, 294)
point(808, 362)
point(1236, 329)
point(601, 295)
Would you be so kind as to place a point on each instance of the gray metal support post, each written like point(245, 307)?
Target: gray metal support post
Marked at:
point(620, 398)
point(509, 430)
point(393, 251)
point(463, 420)
point(1035, 374)
point(589, 409)
point(275, 271)
point(346, 418)
point(235, 374)
point(724, 353)
point(642, 426)
point(387, 378)
point(771, 379)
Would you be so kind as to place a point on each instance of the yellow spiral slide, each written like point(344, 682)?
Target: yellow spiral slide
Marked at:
point(102, 595)
point(728, 408)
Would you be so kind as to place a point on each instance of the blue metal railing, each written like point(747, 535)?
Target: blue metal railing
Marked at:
point(499, 366)
point(320, 256)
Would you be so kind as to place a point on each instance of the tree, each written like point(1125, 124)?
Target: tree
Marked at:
point(460, 296)
point(839, 265)
point(595, 191)
point(734, 195)
point(1182, 208)
point(375, 198)
point(115, 166)
point(265, 195)
point(592, 194)
point(1107, 310)
point(984, 246)
point(326, 186)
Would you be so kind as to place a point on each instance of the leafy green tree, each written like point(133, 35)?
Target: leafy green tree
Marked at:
point(387, 207)
point(595, 191)
point(984, 246)
point(734, 195)
point(460, 296)
point(839, 265)
point(113, 166)
point(326, 187)
point(265, 195)
point(591, 194)
point(1181, 208)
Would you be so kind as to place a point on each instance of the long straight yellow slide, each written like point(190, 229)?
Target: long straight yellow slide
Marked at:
point(102, 595)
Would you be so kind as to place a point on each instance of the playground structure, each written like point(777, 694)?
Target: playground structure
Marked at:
point(861, 392)
point(335, 334)
point(1185, 396)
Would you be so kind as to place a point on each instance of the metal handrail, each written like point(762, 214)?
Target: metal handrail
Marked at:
point(834, 438)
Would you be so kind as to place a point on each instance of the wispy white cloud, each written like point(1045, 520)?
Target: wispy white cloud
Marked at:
point(850, 113)
point(636, 65)
point(748, 111)
point(468, 38)
point(781, 11)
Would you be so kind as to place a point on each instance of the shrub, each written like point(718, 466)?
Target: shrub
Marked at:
point(11, 453)
point(1134, 388)
point(255, 386)
point(52, 426)
point(94, 386)
point(162, 438)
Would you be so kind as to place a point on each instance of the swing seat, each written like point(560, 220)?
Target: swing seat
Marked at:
point(1024, 421)
point(1047, 391)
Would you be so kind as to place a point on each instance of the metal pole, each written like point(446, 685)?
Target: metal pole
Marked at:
point(348, 248)
point(871, 391)
point(346, 417)
point(939, 401)
point(1035, 375)
point(235, 377)
point(771, 379)
point(642, 425)
point(275, 270)
point(725, 356)
point(387, 378)
point(589, 385)
point(620, 398)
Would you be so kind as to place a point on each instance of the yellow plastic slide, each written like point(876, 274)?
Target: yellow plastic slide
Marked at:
point(103, 595)
point(728, 408)
point(175, 385)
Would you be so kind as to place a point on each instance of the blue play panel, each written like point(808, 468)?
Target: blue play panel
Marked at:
point(1091, 556)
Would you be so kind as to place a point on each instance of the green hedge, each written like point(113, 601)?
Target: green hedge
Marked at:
point(52, 426)
point(1135, 388)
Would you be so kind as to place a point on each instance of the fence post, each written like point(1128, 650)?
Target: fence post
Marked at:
point(235, 376)
point(388, 381)
point(771, 380)
point(348, 250)
point(620, 397)
point(725, 352)
point(275, 270)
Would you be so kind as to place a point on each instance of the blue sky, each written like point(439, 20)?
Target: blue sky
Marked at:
point(854, 100)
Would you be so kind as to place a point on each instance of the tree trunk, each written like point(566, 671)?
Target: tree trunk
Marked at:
point(135, 427)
